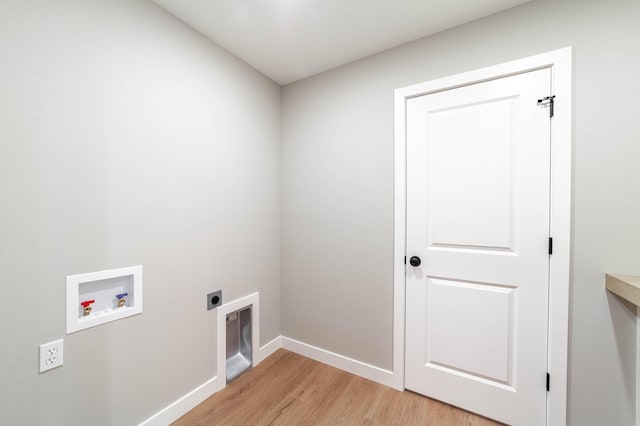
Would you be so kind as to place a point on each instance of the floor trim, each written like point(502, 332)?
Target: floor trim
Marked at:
point(178, 408)
point(268, 349)
point(184, 404)
point(359, 368)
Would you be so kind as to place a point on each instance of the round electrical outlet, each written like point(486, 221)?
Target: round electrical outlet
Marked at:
point(214, 299)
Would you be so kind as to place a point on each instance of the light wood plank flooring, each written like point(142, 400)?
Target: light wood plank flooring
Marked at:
point(289, 389)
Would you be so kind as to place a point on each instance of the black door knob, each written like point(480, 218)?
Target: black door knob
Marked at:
point(415, 261)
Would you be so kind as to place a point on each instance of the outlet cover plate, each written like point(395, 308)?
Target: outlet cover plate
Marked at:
point(51, 355)
point(214, 299)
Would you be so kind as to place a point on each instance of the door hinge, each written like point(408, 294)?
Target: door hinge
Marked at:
point(550, 245)
point(405, 260)
point(548, 100)
point(548, 382)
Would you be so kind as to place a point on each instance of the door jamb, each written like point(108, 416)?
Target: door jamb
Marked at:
point(559, 62)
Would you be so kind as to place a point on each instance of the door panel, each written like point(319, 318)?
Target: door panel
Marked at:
point(469, 169)
point(478, 163)
point(471, 338)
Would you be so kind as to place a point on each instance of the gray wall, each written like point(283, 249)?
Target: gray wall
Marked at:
point(338, 194)
point(126, 138)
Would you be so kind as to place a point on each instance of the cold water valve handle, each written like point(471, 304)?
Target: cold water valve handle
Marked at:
point(121, 299)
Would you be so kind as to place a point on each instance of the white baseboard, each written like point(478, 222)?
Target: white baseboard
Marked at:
point(189, 401)
point(371, 372)
point(183, 405)
point(268, 349)
point(186, 403)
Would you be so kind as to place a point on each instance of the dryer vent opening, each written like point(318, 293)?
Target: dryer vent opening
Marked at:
point(239, 348)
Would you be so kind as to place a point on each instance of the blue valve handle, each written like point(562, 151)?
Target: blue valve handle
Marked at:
point(121, 295)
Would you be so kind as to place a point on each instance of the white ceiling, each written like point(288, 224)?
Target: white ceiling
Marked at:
point(288, 40)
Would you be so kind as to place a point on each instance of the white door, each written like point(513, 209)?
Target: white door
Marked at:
point(478, 165)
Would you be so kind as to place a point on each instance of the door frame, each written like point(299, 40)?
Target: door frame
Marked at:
point(559, 62)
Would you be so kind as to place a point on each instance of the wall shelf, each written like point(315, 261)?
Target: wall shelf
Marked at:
point(624, 286)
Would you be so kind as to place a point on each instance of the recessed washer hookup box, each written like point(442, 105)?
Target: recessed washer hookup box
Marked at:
point(100, 297)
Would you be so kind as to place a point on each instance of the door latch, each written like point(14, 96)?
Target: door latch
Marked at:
point(547, 100)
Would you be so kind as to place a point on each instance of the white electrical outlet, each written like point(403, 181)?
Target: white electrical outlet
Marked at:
point(51, 355)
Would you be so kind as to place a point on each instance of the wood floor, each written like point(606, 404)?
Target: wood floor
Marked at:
point(289, 389)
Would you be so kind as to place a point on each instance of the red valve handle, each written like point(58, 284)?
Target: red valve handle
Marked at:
point(87, 303)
